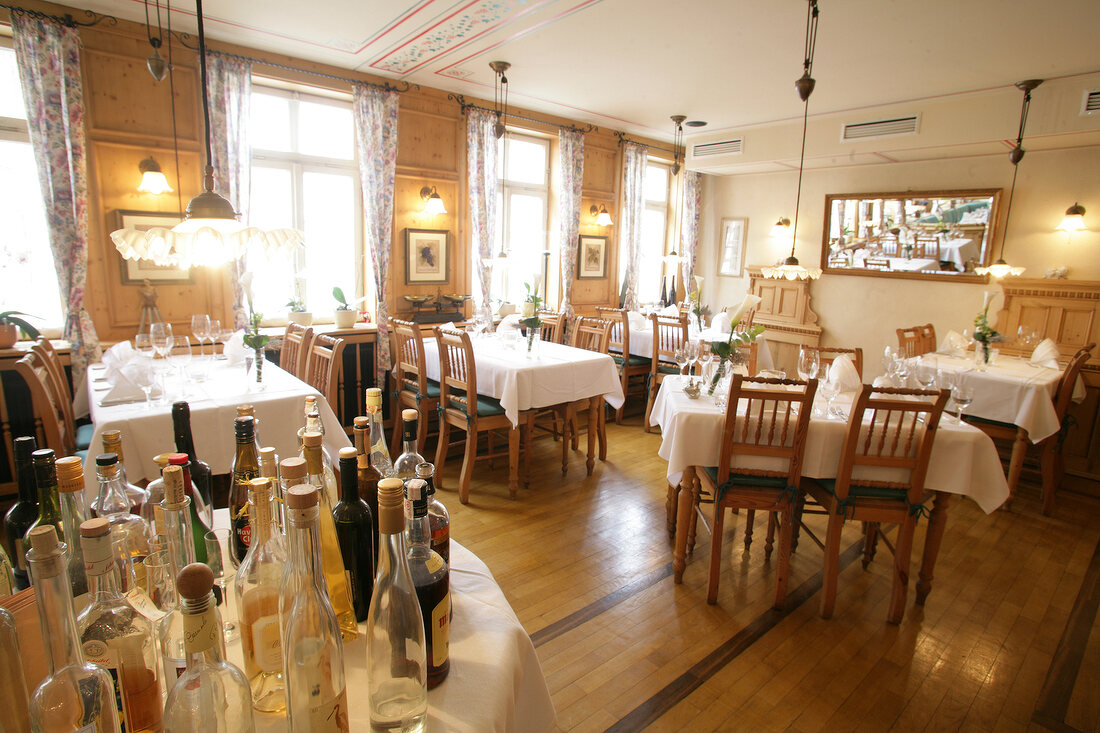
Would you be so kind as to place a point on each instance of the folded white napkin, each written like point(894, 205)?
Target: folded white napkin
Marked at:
point(882, 382)
point(952, 341)
point(449, 326)
point(844, 374)
point(1045, 354)
point(124, 386)
point(234, 349)
point(721, 322)
point(637, 321)
point(670, 311)
point(510, 322)
point(116, 357)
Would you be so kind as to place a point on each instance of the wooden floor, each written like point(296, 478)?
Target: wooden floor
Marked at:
point(1008, 640)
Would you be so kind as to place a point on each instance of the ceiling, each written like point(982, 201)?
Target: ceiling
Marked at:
point(629, 64)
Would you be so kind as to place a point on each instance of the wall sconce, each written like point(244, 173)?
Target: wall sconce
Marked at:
point(782, 228)
point(435, 203)
point(152, 178)
point(603, 219)
point(1074, 220)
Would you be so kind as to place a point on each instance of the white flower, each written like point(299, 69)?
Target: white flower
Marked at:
point(699, 284)
point(750, 302)
point(528, 309)
point(989, 296)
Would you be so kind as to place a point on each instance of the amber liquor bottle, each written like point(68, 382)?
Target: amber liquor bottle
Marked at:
point(246, 466)
point(431, 577)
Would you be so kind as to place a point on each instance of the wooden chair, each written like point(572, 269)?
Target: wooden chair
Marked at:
point(414, 389)
point(630, 366)
point(827, 355)
point(591, 334)
point(669, 334)
point(1050, 459)
point(917, 340)
point(927, 247)
point(47, 409)
point(294, 354)
point(326, 358)
point(898, 436)
point(457, 382)
point(59, 382)
point(553, 326)
point(876, 263)
point(767, 418)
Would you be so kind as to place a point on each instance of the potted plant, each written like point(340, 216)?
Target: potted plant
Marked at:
point(345, 315)
point(10, 326)
point(298, 313)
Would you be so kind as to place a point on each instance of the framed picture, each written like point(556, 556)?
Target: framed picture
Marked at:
point(731, 247)
point(134, 272)
point(426, 256)
point(592, 258)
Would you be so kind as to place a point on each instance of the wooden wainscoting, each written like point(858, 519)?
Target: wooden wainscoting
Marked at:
point(785, 311)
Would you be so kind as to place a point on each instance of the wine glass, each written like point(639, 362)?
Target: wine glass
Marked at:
point(200, 328)
point(219, 558)
point(926, 372)
point(161, 335)
point(681, 357)
point(179, 356)
point(809, 363)
point(143, 344)
point(706, 359)
point(143, 376)
point(691, 350)
point(829, 388)
point(962, 394)
point(901, 369)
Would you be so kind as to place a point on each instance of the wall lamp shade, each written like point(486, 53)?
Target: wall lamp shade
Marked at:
point(1074, 220)
point(152, 178)
point(603, 219)
point(434, 205)
point(781, 229)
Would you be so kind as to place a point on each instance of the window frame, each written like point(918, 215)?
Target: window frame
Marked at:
point(506, 187)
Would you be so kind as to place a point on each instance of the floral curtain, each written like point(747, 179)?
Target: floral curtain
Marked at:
point(229, 93)
point(48, 56)
point(635, 158)
point(375, 113)
point(689, 229)
point(571, 156)
point(481, 179)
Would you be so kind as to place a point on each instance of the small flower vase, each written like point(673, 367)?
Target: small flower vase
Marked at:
point(534, 336)
point(719, 372)
point(982, 355)
point(255, 365)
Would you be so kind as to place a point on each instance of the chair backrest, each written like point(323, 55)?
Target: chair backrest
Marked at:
point(60, 383)
point(669, 334)
point(408, 356)
point(838, 260)
point(294, 354)
point(927, 246)
point(552, 328)
point(57, 435)
point(326, 357)
point(592, 334)
point(457, 369)
point(826, 355)
point(746, 319)
point(917, 340)
point(896, 437)
point(876, 263)
point(767, 417)
point(619, 337)
point(1064, 394)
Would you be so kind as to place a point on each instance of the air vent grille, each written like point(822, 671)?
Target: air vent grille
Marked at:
point(1092, 102)
point(881, 128)
point(722, 147)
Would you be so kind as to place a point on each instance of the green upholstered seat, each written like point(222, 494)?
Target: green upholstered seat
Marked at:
point(84, 435)
point(745, 479)
point(866, 492)
point(632, 360)
point(486, 406)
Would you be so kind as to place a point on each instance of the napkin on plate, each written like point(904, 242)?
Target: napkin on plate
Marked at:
point(637, 321)
point(1045, 354)
point(234, 349)
point(671, 311)
point(124, 385)
point(952, 341)
point(116, 357)
point(721, 322)
point(882, 382)
point(844, 374)
point(510, 322)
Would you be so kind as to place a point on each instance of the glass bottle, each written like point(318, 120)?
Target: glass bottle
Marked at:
point(155, 490)
point(76, 695)
point(112, 443)
point(439, 520)
point(328, 484)
point(199, 527)
point(24, 511)
point(250, 411)
point(257, 591)
point(331, 557)
point(246, 466)
point(395, 628)
point(212, 696)
point(116, 637)
point(431, 577)
point(13, 693)
point(70, 485)
point(269, 468)
point(378, 447)
point(49, 503)
point(314, 656)
point(309, 406)
point(114, 504)
point(405, 465)
point(355, 532)
point(7, 574)
point(181, 553)
point(200, 470)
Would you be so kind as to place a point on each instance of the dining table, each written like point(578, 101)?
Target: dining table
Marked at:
point(958, 250)
point(641, 342)
point(964, 462)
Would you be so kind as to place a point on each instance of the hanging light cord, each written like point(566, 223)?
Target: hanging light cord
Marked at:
point(811, 37)
point(172, 106)
point(801, 162)
point(1008, 209)
point(1023, 119)
point(154, 42)
point(205, 100)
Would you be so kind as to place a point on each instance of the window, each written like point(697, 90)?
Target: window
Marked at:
point(654, 235)
point(523, 169)
point(305, 176)
point(26, 262)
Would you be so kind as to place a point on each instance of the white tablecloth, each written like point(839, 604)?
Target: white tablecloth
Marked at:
point(964, 459)
point(641, 343)
point(558, 374)
point(959, 251)
point(148, 432)
point(1012, 391)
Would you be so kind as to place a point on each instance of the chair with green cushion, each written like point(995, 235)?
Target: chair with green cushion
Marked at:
point(896, 438)
point(457, 381)
point(47, 408)
point(631, 367)
point(765, 418)
point(61, 391)
point(414, 389)
point(669, 335)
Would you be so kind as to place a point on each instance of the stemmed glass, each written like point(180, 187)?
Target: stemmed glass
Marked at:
point(829, 389)
point(142, 375)
point(809, 363)
point(179, 356)
point(706, 359)
point(219, 558)
point(926, 372)
point(160, 334)
point(691, 350)
point(200, 328)
point(962, 394)
point(901, 369)
point(681, 357)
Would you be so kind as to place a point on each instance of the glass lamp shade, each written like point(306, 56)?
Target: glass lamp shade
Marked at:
point(435, 205)
point(204, 246)
point(1074, 220)
point(1000, 269)
point(782, 229)
point(154, 182)
point(791, 270)
point(603, 219)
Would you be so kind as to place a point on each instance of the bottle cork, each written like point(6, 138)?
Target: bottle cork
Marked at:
point(105, 463)
point(292, 469)
point(173, 487)
point(410, 415)
point(70, 474)
point(259, 486)
point(246, 410)
point(44, 539)
point(302, 496)
point(311, 439)
point(361, 423)
point(95, 527)
point(194, 581)
point(425, 470)
point(95, 542)
point(391, 504)
point(267, 453)
point(112, 436)
point(348, 453)
point(374, 397)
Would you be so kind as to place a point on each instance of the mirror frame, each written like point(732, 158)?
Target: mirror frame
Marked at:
point(938, 276)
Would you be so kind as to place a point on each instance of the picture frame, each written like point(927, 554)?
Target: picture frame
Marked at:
point(731, 246)
point(427, 256)
point(591, 257)
point(136, 272)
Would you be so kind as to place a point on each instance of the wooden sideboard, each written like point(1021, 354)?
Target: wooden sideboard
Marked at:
point(785, 311)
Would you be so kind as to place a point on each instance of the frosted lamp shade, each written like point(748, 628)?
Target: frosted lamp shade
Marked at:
point(1000, 269)
point(603, 219)
point(154, 182)
point(1074, 220)
point(435, 205)
point(782, 229)
point(224, 226)
point(791, 272)
point(205, 246)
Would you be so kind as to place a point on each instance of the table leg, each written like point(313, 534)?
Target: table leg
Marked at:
point(593, 432)
point(684, 514)
point(670, 508)
point(1016, 463)
point(937, 521)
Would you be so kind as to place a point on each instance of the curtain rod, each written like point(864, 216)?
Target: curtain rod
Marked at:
point(66, 20)
point(470, 105)
point(385, 85)
point(624, 139)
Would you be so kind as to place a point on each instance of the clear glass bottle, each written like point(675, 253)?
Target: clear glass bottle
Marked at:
point(24, 511)
point(355, 533)
point(70, 485)
point(7, 575)
point(13, 693)
point(439, 520)
point(155, 490)
point(246, 466)
point(431, 577)
point(212, 696)
point(378, 447)
point(331, 558)
point(200, 470)
point(76, 695)
point(113, 504)
point(328, 474)
point(309, 406)
point(199, 527)
point(181, 553)
point(405, 465)
point(257, 591)
point(314, 666)
point(112, 443)
point(118, 638)
point(396, 661)
point(269, 468)
point(49, 502)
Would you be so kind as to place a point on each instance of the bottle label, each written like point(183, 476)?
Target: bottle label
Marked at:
point(98, 652)
point(140, 601)
point(441, 630)
point(330, 715)
point(266, 644)
point(20, 555)
point(434, 563)
point(200, 631)
point(6, 587)
point(441, 543)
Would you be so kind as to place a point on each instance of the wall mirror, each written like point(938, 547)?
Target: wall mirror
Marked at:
point(934, 235)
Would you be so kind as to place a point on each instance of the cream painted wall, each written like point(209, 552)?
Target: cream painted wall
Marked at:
point(864, 311)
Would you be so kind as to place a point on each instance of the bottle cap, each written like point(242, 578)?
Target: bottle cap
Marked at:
point(267, 453)
point(194, 581)
point(161, 459)
point(243, 426)
point(243, 410)
point(292, 469)
point(178, 459)
point(374, 397)
point(361, 423)
point(173, 487)
point(47, 552)
point(44, 539)
point(425, 470)
point(181, 408)
point(259, 486)
point(410, 415)
point(302, 496)
point(391, 502)
point(112, 436)
point(43, 455)
point(25, 445)
point(106, 459)
point(311, 399)
point(311, 439)
point(348, 454)
point(95, 527)
point(70, 474)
